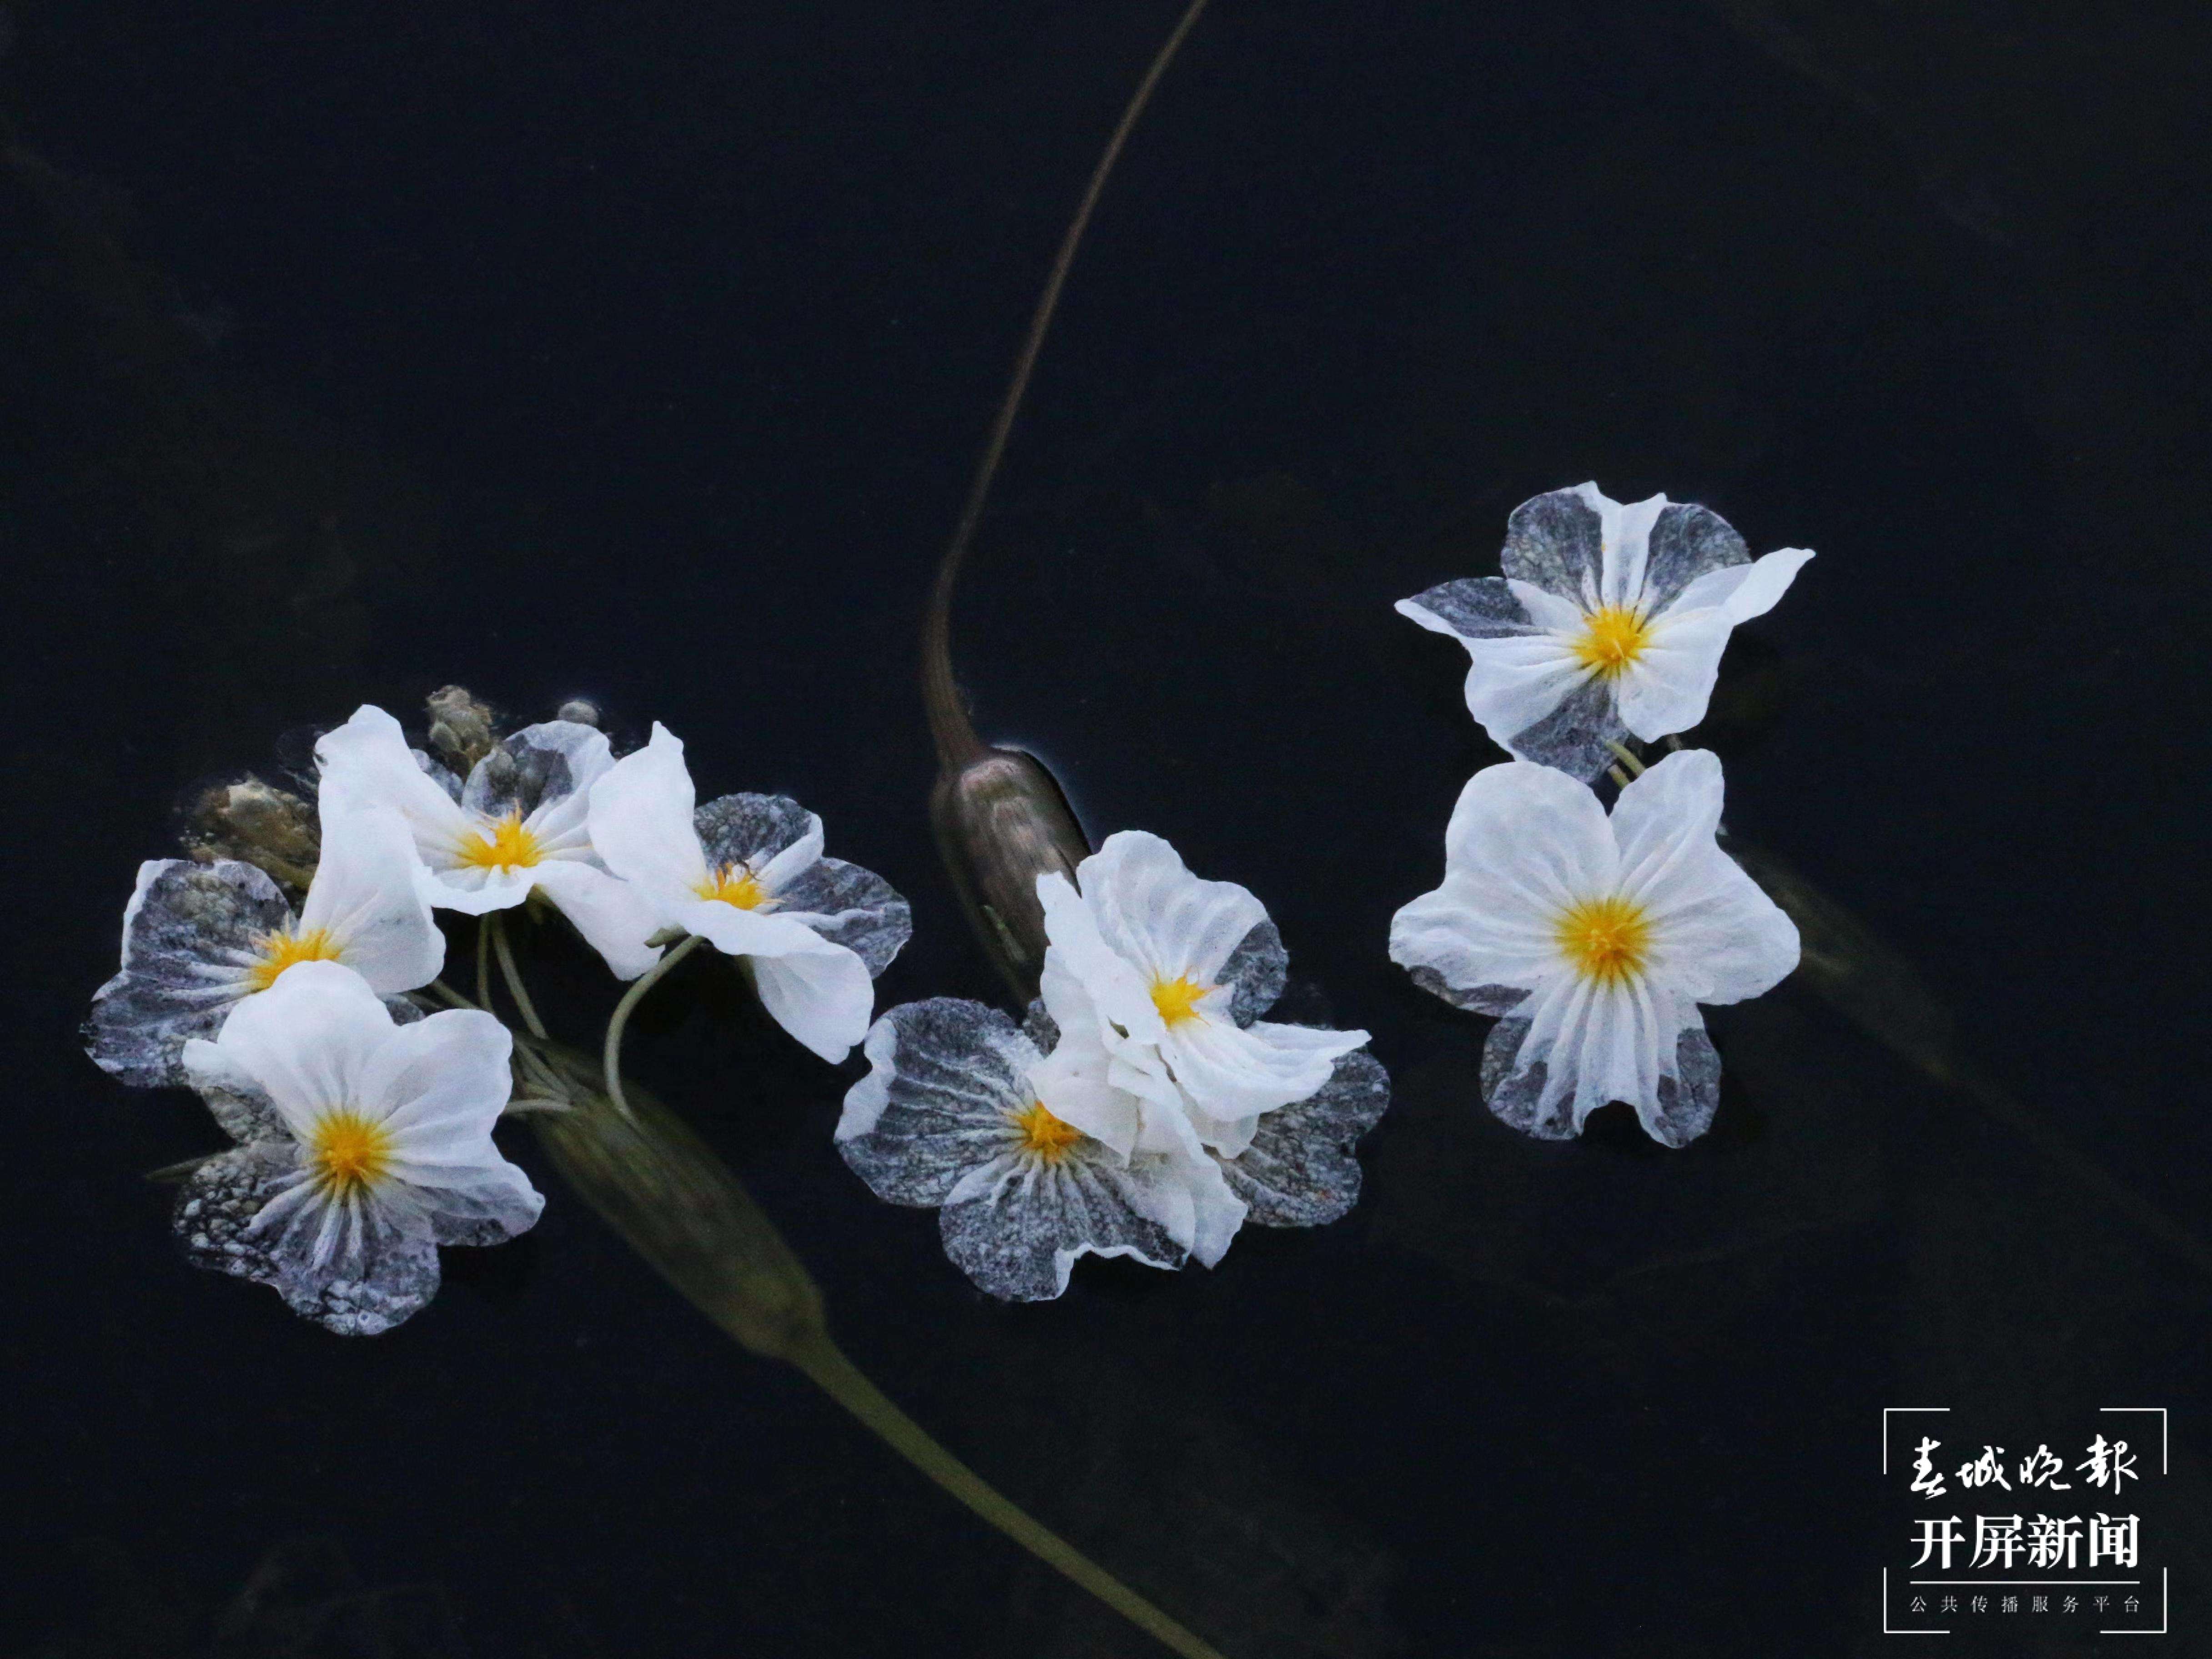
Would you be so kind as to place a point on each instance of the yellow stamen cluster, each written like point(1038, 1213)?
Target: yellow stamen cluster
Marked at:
point(1177, 999)
point(1044, 1134)
point(350, 1153)
point(1613, 638)
point(506, 845)
point(276, 952)
point(733, 883)
point(1607, 939)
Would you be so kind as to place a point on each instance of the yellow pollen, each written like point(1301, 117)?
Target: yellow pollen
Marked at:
point(1606, 938)
point(280, 949)
point(1177, 999)
point(350, 1153)
point(733, 883)
point(508, 847)
point(1045, 1134)
point(1614, 638)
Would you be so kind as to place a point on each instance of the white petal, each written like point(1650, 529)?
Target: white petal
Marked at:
point(365, 895)
point(612, 915)
point(308, 1041)
point(1768, 580)
point(544, 773)
point(794, 860)
point(820, 993)
point(1667, 687)
point(947, 1078)
point(1116, 987)
point(367, 762)
point(1074, 1081)
point(1234, 1075)
point(1627, 544)
point(640, 821)
point(1153, 912)
point(437, 1087)
point(1514, 683)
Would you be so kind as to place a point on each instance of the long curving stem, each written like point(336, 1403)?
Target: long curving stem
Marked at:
point(823, 1360)
point(515, 987)
point(610, 1057)
point(949, 725)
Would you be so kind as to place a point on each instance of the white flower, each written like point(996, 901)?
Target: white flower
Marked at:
point(1608, 622)
point(746, 873)
point(1142, 977)
point(364, 1146)
point(516, 824)
point(197, 938)
point(1595, 939)
point(950, 1115)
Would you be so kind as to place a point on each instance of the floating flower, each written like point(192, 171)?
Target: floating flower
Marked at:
point(1595, 939)
point(515, 825)
point(1156, 980)
point(953, 1114)
point(746, 873)
point(197, 938)
point(1609, 621)
point(363, 1145)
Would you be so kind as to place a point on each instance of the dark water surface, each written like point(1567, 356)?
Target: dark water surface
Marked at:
point(642, 353)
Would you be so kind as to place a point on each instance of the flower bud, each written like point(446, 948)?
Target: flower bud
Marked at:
point(271, 829)
point(1001, 822)
point(460, 728)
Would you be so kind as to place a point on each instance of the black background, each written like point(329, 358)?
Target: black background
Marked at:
point(643, 353)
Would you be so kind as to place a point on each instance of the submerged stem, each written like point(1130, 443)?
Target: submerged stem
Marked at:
point(949, 725)
point(508, 971)
point(664, 1190)
point(1629, 758)
point(610, 1057)
point(822, 1359)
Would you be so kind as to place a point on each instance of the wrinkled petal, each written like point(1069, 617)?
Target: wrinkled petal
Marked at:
point(1628, 529)
point(1556, 541)
point(357, 1266)
point(306, 1041)
point(944, 1077)
point(772, 836)
point(542, 774)
point(851, 906)
point(1744, 592)
point(614, 915)
point(367, 762)
point(437, 1087)
point(1075, 1078)
point(1255, 973)
point(1471, 608)
point(817, 991)
point(1299, 1171)
point(366, 896)
point(1520, 685)
point(487, 1204)
point(1152, 912)
point(1667, 687)
point(1686, 542)
point(1116, 988)
point(640, 821)
point(189, 933)
point(1016, 1226)
point(1233, 1075)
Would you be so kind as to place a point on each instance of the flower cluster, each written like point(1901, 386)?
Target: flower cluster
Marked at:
point(1147, 1110)
point(363, 1127)
point(1592, 938)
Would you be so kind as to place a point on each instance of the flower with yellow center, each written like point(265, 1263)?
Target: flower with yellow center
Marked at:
point(1592, 940)
point(1607, 623)
point(1044, 1135)
point(349, 1152)
point(1177, 999)
point(732, 883)
point(1606, 938)
point(283, 948)
point(1613, 638)
point(363, 1145)
point(504, 843)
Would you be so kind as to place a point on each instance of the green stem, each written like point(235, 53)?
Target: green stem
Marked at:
point(514, 978)
point(822, 1359)
point(449, 995)
point(1628, 758)
point(611, 1060)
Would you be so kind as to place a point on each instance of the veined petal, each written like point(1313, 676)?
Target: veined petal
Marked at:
point(542, 774)
point(773, 835)
point(1152, 912)
point(484, 1203)
point(1120, 999)
point(1473, 608)
point(1232, 1076)
point(365, 899)
point(1666, 689)
point(1627, 549)
point(1515, 685)
point(947, 1078)
point(1556, 541)
point(437, 1087)
point(640, 821)
point(847, 905)
point(1743, 592)
point(191, 934)
point(367, 762)
point(1075, 1081)
point(307, 1039)
point(1298, 1169)
point(1016, 1228)
point(613, 915)
point(1686, 542)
